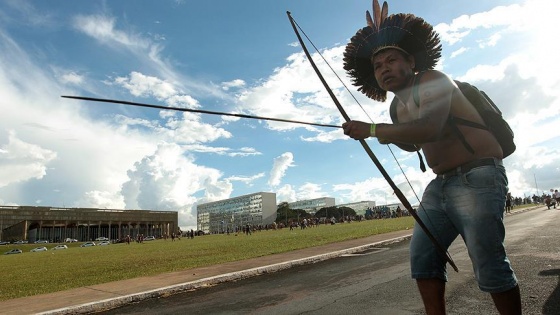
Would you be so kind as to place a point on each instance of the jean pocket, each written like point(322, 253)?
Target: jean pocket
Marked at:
point(480, 177)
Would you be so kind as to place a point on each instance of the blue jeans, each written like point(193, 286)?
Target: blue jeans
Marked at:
point(471, 205)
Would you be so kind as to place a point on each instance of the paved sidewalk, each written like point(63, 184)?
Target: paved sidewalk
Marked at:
point(114, 294)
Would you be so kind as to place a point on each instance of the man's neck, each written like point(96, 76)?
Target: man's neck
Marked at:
point(405, 92)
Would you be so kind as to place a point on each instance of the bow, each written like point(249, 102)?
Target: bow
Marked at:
point(370, 153)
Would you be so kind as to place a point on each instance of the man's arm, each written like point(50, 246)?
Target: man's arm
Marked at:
point(402, 146)
point(419, 125)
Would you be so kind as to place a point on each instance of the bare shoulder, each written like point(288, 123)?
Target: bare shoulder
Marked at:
point(435, 89)
point(438, 78)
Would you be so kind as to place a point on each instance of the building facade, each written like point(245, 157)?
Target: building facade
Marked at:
point(83, 224)
point(231, 214)
point(312, 205)
point(360, 207)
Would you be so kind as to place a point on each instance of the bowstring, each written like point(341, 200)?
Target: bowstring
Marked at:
point(420, 205)
point(363, 109)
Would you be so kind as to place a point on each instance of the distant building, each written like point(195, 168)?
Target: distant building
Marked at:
point(231, 214)
point(83, 224)
point(394, 206)
point(312, 205)
point(360, 207)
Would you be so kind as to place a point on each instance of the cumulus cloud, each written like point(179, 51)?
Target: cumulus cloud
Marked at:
point(141, 85)
point(286, 193)
point(310, 191)
point(168, 180)
point(289, 93)
point(101, 200)
point(459, 28)
point(279, 168)
point(21, 161)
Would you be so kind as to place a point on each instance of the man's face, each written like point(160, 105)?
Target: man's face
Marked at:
point(392, 69)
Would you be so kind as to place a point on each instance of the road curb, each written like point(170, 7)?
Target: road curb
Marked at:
point(112, 303)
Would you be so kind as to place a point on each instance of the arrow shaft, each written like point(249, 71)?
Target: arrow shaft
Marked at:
point(200, 111)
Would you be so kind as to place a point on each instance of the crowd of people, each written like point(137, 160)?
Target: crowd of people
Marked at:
point(551, 200)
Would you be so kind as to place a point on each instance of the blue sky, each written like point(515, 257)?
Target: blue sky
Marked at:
point(241, 57)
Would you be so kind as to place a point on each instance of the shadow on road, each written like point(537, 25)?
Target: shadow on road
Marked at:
point(552, 304)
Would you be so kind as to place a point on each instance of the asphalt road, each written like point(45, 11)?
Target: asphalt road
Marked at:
point(378, 281)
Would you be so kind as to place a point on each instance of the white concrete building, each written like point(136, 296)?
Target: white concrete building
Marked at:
point(360, 207)
point(229, 214)
point(312, 205)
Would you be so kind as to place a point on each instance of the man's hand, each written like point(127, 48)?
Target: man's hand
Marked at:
point(357, 130)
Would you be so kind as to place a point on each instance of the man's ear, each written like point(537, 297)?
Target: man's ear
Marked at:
point(412, 62)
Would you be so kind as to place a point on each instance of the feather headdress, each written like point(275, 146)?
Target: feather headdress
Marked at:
point(405, 32)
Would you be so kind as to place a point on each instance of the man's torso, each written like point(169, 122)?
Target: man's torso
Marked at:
point(449, 151)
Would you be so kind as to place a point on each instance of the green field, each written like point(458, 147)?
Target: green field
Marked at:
point(44, 272)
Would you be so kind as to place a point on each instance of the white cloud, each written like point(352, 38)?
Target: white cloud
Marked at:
point(286, 193)
point(458, 52)
point(101, 200)
point(21, 161)
point(248, 180)
point(71, 78)
point(294, 92)
point(237, 83)
point(310, 191)
point(168, 180)
point(326, 137)
point(460, 27)
point(102, 28)
point(141, 85)
point(279, 168)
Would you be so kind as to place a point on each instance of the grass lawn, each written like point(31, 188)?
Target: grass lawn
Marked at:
point(55, 270)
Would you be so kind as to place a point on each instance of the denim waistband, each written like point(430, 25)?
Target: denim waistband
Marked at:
point(461, 169)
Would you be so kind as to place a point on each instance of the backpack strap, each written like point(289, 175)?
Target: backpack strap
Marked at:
point(416, 88)
point(395, 119)
point(451, 120)
point(393, 110)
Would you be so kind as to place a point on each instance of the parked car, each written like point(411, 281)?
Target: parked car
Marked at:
point(13, 251)
point(150, 238)
point(21, 242)
point(71, 240)
point(101, 238)
point(103, 243)
point(41, 242)
point(60, 246)
point(39, 249)
point(4, 242)
point(88, 244)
